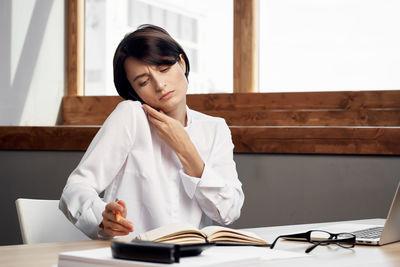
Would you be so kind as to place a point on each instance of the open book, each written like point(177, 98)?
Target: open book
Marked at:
point(182, 233)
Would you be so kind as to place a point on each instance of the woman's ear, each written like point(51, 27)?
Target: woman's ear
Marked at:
point(182, 62)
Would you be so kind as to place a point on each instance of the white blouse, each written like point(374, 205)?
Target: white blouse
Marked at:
point(130, 162)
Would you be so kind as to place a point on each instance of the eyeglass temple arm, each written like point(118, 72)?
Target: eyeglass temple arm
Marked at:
point(351, 239)
point(309, 249)
point(301, 235)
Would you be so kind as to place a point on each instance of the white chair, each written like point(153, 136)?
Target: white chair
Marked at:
point(41, 221)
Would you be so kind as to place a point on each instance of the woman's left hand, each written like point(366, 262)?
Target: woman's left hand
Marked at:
point(171, 131)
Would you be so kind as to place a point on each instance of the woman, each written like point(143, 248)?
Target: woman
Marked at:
point(164, 162)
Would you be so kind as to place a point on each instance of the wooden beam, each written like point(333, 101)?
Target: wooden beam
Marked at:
point(61, 138)
point(245, 50)
point(365, 108)
point(87, 110)
point(317, 140)
point(251, 139)
point(75, 47)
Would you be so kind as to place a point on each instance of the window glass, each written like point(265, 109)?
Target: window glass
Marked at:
point(330, 45)
point(203, 28)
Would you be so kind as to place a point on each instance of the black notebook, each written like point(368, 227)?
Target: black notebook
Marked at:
point(155, 251)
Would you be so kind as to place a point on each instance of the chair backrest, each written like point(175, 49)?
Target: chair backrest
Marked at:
point(41, 221)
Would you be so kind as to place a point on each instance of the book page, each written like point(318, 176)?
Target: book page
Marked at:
point(183, 238)
point(228, 235)
point(170, 232)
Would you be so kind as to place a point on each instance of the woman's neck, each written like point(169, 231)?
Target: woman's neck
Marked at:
point(179, 114)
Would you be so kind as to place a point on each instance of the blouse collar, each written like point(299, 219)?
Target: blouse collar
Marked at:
point(188, 116)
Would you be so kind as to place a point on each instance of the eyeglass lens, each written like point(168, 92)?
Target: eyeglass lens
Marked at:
point(321, 238)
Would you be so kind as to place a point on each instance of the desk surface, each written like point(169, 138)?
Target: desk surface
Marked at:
point(46, 254)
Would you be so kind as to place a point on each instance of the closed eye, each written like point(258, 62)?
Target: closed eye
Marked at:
point(143, 83)
point(165, 69)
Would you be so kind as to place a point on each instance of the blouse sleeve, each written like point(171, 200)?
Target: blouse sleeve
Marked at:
point(80, 200)
point(218, 191)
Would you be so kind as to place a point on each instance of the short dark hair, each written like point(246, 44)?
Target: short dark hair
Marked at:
point(150, 44)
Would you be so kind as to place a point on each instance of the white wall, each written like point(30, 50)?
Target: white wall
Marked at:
point(32, 65)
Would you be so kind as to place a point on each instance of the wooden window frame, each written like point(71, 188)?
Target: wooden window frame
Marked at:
point(75, 47)
point(245, 47)
point(341, 138)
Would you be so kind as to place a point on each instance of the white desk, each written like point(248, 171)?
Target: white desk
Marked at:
point(332, 255)
point(46, 255)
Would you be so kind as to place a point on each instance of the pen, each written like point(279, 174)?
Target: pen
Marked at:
point(117, 213)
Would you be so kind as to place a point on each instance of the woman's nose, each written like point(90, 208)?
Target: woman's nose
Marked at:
point(160, 84)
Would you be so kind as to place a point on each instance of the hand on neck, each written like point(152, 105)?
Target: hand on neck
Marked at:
point(179, 114)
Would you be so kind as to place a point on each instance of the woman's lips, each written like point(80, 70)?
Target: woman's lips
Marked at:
point(167, 95)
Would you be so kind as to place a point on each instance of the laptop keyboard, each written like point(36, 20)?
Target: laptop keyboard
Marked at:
point(371, 233)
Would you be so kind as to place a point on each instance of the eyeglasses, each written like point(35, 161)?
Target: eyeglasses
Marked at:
point(323, 238)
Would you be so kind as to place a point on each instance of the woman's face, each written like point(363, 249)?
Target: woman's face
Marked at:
point(162, 87)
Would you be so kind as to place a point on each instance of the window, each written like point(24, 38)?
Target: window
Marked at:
point(360, 122)
point(331, 45)
point(203, 28)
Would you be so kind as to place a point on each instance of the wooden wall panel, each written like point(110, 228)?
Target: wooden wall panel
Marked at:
point(317, 140)
point(46, 138)
point(368, 108)
point(87, 110)
point(252, 139)
point(317, 123)
point(297, 100)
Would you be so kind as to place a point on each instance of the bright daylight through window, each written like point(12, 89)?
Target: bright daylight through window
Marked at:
point(329, 45)
point(204, 29)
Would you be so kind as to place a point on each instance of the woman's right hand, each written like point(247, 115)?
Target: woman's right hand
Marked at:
point(114, 219)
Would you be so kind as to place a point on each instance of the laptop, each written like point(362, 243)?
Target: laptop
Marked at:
point(373, 234)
